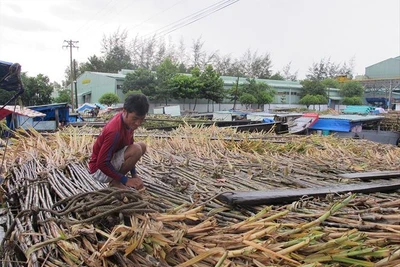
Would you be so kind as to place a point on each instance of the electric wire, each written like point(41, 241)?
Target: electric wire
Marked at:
point(155, 15)
point(94, 16)
point(192, 18)
point(193, 21)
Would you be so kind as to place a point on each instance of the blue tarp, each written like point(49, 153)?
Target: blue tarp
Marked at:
point(50, 111)
point(85, 106)
point(267, 120)
point(335, 125)
point(89, 107)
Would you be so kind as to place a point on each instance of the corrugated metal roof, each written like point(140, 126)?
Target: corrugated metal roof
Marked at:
point(111, 75)
point(274, 83)
point(352, 118)
point(23, 111)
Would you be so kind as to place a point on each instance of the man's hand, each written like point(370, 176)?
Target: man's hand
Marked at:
point(135, 182)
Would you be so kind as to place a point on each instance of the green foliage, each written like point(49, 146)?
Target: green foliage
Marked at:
point(313, 87)
point(353, 101)
point(38, 90)
point(133, 92)
point(109, 99)
point(64, 96)
point(234, 93)
point(184, 86)
point(115, 56)
point(165, 72)
point(277, 76)
point(5, 96)
point(247, 99)
point(262, 92)
point(331, 83)
point(212, 86)
point(141, 79)
point(94, 63)
point(352, 89)
point(325, 68)
point(313, 100)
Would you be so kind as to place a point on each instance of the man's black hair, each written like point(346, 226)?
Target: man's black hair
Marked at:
point(137, 103)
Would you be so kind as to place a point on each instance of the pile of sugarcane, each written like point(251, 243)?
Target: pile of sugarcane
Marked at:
point(59, 216)
point(391, 121)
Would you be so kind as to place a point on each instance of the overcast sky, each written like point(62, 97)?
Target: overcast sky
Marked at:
point(32, 32)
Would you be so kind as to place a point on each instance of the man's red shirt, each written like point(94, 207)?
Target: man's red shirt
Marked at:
point(114, 136)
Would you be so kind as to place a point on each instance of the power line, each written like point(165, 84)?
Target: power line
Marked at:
point(94, 16)
point(71, 44)
point(197, 19)
point(155, 15)
point(192, 18)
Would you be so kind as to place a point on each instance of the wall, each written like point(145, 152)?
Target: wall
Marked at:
point(96, 84)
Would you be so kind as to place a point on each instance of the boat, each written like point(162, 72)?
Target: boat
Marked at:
point(301, 124)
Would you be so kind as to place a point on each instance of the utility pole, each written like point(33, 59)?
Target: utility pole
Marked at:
point(75, 86)
point(71, 44)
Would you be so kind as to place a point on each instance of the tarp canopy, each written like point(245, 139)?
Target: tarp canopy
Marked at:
point(89, 107)
point(337, 125)
point(86, 106)
point(22, 111)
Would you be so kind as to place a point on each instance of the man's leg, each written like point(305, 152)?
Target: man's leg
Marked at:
point(132, 155)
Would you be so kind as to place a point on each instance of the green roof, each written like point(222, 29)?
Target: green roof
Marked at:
point(230, 80)
point(111, 75)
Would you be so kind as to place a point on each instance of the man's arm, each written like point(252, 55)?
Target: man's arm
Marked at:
point(107, 150)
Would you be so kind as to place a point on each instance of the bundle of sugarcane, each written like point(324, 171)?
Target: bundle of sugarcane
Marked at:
point(186, 225)
point(391, 122)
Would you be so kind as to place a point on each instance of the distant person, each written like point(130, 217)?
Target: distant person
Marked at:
point(114, 152)
point(96, 111)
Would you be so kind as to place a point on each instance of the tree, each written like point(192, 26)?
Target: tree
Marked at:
point(351, 89)
point(109, 99)
point(320, 99)
point(326, 69)
point(38, 90)
point(313, 100)
point(141, 79)
point(247, 99)
point(287, 74)
point(94, 63)
point(116, 52)
point(277, 76)
point(184, 86)
point(256, 66)
point(195, 72)
point(331, 83)
point(165, 72)
point(64, 96)
point(354, 101)
point(5, 96)
point(262, 92)
point(308, 100)
point(234, 93)
point(313, 87)
point(212, 86)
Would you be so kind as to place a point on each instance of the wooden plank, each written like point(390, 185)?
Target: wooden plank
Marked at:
point(278, 196)
point(371, 175)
